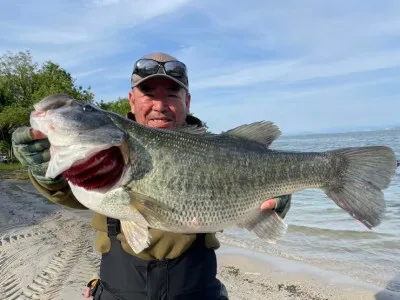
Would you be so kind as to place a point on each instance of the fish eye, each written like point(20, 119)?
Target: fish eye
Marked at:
point(87, 107)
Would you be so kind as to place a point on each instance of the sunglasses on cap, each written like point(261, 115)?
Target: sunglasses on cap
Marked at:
point(145, 67)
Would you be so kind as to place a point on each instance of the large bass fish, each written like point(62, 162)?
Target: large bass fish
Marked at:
point(188, 181)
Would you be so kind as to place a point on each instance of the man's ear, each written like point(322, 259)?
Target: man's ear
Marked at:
point(187, 101)
point(131, 97)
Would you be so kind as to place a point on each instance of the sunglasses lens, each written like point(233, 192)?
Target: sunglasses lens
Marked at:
point(175, 69)
point(146, 67)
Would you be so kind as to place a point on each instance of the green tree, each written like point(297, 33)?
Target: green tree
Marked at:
point(4, 147)
point(52, 79)
point(120, 106)
point(17, 78)
point(23, 83)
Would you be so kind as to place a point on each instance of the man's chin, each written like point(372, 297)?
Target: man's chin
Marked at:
point(161, 124)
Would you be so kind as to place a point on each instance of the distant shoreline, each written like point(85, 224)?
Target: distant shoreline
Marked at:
point(338, 132)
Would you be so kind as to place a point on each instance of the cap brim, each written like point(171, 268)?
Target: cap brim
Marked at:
point(140, 81)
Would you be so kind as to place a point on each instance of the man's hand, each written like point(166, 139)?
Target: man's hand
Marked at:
point(280, 204)
point(32, 149)
point(269, 204)
point(37, 135)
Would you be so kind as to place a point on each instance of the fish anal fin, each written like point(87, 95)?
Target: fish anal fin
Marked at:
point(264, 132)
point(137, 236)
point(266, 224)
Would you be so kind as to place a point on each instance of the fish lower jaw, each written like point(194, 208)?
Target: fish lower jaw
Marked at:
point(112, 204)
point(99, 172)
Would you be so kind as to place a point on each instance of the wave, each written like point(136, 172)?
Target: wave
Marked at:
point(336, 233)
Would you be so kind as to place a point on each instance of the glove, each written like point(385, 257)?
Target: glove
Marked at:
point(33, 154)
point(282, 205)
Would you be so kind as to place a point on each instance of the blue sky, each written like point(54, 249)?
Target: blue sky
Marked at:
point(306, 65)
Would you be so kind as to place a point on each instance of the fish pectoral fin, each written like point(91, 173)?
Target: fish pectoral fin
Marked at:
point(266, 224)
point(264, 132)
point(137, 236)
point(148, 207)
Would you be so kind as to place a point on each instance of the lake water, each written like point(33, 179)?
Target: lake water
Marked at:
point(322, 234)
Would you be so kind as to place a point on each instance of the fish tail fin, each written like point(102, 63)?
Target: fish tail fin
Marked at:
point(367, 171)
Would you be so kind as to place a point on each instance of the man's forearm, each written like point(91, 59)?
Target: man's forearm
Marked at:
point(59, 193)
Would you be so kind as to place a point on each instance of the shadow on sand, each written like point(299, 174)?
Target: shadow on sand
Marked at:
point(392, 290)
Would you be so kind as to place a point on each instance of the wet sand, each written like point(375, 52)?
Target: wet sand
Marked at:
point(251, 275)
point(47, 252)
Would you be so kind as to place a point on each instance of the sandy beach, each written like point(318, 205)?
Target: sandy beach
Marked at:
point(47, 252)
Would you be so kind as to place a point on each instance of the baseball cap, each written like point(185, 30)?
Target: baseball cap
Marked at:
point(180, 77)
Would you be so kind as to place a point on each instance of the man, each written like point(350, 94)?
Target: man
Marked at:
point(174, 266)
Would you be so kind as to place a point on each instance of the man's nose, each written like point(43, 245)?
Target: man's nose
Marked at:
point(159, 104)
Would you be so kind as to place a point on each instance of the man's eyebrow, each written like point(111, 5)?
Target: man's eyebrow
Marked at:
point(146, 88)
point(174, 88)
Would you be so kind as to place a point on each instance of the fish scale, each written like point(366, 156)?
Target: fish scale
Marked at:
point(232, 191)
point(186, 180)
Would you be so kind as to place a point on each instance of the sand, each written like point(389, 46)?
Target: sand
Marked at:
point(47, 252)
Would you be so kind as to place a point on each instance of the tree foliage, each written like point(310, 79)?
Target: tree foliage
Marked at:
point(120, 106)
point(23, 83)
point(17, 78)
point(12, 117)
point(52, 79)
point(4, 148)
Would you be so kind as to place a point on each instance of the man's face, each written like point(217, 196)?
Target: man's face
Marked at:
point(160, 102)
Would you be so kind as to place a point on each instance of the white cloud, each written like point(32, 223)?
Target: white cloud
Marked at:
point(105, 2)
point(288, 71)
point(291, 60)
point(85, 24)
point(88, 73)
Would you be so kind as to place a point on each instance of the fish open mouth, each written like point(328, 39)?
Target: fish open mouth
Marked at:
point(101, 170)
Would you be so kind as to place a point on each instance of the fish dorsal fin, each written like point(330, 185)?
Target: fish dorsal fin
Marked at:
point(192, 129)
point(264, 132)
